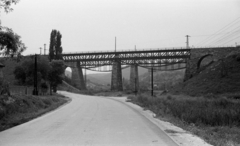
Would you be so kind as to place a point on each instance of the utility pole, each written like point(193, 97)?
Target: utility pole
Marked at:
point(187, 43)
point(85, 74)
point(152, 80)
point(35, 89)
point(40, 50)
point(135, 65)
point(115, 44)
point(135, 85)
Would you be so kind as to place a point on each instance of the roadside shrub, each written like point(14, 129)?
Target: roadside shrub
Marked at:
point(47, 101)
point(4, 87)
point(55, 99)
point(119, 95)
point(27, 102)
point(2, 112)
point(132, 98)
point(11, 108)
point(44, 87)
point(39, 103)
point(143, 99)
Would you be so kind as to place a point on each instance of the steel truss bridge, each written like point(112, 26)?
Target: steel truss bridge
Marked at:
point(159, 59)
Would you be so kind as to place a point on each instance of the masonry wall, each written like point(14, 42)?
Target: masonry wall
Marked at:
point(196, 54)
point(134, 79)
point(116, 81)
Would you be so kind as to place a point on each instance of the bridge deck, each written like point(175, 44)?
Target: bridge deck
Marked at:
point(129, 57)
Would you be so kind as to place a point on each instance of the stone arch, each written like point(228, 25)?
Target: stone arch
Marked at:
point(68, 72)
point(77, 75)
point(201, 59)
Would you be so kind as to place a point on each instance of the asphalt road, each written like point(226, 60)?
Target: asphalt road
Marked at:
point(88, 120)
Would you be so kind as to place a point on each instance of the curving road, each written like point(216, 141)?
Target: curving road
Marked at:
point(88, 120)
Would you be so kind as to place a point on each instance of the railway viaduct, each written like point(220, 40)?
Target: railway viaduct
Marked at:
point(192, 60)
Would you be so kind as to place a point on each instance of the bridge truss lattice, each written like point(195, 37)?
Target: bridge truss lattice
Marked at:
point(159, 59)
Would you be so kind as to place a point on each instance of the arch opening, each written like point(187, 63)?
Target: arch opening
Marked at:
point(68, 73)
point(204, 61)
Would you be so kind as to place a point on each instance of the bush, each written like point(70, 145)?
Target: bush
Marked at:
point(4, 87)
point(44, 87)
point(2, 112)
point(55, 99)
point(47, 101)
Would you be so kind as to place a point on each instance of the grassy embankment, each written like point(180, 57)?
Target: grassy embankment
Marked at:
point(18, 109)
point(216, 120)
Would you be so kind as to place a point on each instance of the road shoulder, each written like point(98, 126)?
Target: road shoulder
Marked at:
point(178, 135)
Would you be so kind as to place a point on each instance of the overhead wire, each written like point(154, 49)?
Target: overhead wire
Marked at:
point(231, 40)
point(231, 34)
point(226, 37)
point(224, 28)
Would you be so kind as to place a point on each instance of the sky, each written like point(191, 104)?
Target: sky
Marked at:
point(92, 25)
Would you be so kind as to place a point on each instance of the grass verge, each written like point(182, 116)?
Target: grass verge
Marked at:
point(216, 120)
point(18, 109)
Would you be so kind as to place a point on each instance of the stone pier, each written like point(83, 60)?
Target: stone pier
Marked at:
point(134, 80)
point(116, 82)
point(77, 77)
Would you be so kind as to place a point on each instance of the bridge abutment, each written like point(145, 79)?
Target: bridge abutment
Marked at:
point(200, 58)
point(116, 81)
point(134, 80)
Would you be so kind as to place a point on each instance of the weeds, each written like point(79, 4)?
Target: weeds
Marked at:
point(212, 112)
point(217, 117)
point(17, 109)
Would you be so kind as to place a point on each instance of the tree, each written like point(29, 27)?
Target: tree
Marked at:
point(52, 45)
point(59, 46)
point(10, 43)
point(52, 72)
point(6, 4)
point(56, 73)
point(20, 74)
point(24, 73)
point(55, 48)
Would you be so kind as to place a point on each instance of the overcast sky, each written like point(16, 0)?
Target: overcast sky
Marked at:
point(91, 25)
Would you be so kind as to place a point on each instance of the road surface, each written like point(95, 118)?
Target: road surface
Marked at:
point(88, 121)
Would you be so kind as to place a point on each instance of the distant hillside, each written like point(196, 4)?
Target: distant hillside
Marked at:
point(105, 78)
point(162, 79)
point(219, 77)
point(100, 78)
point(68, 74)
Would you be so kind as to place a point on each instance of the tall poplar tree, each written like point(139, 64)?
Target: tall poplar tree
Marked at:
point(55, 48)
point(58, 46)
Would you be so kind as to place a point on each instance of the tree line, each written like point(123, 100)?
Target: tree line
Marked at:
point(49, 72)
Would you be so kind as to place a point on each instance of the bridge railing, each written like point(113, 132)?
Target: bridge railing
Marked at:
point(127, 50)
point(145, 49)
